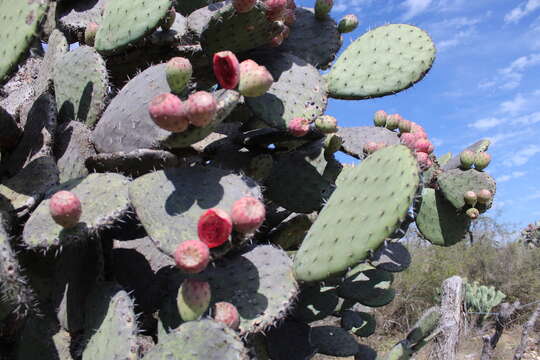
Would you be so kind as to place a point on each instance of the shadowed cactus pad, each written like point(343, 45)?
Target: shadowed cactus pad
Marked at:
point(368, 287)
point(369, 204)
point(383, 61)
point(355, 138)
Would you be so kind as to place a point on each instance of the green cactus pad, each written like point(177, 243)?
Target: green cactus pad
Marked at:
point(454, 183)
point(20, 21)
point(316, 41)
point(126, 125)
point(383, 61)
point(125, 22)
point(290, 335)
point(74, 16)
point(354, 138)
point(315, 303)
point(228, 30)
point(291, 231)
point(57, 46)
point(439, 222)
point(72, 146)
point(369, 204)
point(392, 257)
point(368, 287)
point(425, 326)
point(359, 323)
point(298, 91)
point(203, 339)
point(170, 202)
point(455, 162)
point(333, 341)
point(112, 326)
point(198, 19)
point(9, 130)
point(80, 84)
point(104, 200)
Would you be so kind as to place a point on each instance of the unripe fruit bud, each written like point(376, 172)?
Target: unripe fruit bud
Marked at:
point(90, 33)
point(404, 126)
point(467, 159)
point(323, 8)
point(392, 121)
point(214, 227)
point(192, 256)
point(178, 71)
point(202, 108)
point(193, 299)
point(326, 124)
point(484, 196)
point(243, 6)
point(65, 208)
point(470, 198)
point(423, 145)
point(227, 314)
point(473, 213)
point(380, 118)
point(298, 127)
point(226, 69)
point(169, 113)
point(168, 21)
point(255, 80)
point(247, 214)
point(370, 147)
point(348, 24)
point(482, 160)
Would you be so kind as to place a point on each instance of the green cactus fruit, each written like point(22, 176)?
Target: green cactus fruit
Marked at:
point(455, 162)
point(467, 158)
point(178, 72)
point(379, 119)
point(481, 160)
point(454, 183)
point(472, 213)
point(193, 299)
point(405, 126)
point(392, 121)
point(470, 198)
point(255, 80)
point(348, 23)
point(323, 8)
point(326, 124)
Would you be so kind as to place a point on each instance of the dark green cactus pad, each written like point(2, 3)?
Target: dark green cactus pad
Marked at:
point(20, 21)
point(104, 200)
point(112, 325)
point(359, 323)
point(126, 125)
point(392, 257)
point(228, 30)
point(125, 22)
point(187, 7)
point(302, 180)
point(202, 339)
point(368, 287)
point(354, 138)
point(298, 91)
point(369, 204)
point(316, 41)
point(80, 85)
point(74, 16)
point(315, 302)
point(175, 35)
point(455, 162)
point(454, 183)
point(333, 341)
point(170, 202)
point(290, 335)
point(198, 19)
point(425, 326)
point(383, 61)
point(57, 46)
point(290, 233)
point(9, 130)
point(72, 146)
point(439, 222)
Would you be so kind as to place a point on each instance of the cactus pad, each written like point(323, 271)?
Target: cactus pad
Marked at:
point(359, 323)
point(354, 138)
point(72, 147)
point(291, 335)
point(455, 162)
point(368, 287)
point(57, 46)
point(104, 200)
point(425, 326)
point(454, 183)
point(369, 204)
point(392, 257)
point(74, 16)
point(125, 22)
point(315, 303)
point(381, 62)
point(333, 341)
point(80, 83)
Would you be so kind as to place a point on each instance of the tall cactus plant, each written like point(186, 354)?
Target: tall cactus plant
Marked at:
point(174, 175)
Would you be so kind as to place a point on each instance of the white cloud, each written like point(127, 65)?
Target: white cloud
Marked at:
point(353, 6)
point(514, 106)
point(511, 176)
point(522, 10)
point(523, 156)
point(456, 39)
point(514, 72)
point(529, 119)
point(535, 195)
point(486, 123)
point(507, 135)
point(415, 7)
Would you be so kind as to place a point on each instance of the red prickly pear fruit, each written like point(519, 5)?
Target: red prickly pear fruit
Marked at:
point(90, 33)
point(275, 9)
point(289, 18)
point(484, 196)
point(467, 158)
point(169, 113)
point(167, 22)
point(192, 256)
point(65, 208)
point(470, 198)
point(255, 80)
point(423, 145)
point(326, 124)
point(408, 139)
point(277, 40)
point(202, 108)
point(178, 71)
point(473, 213)
point(243, 6)
point(323, 8)
point(193, 299)
point(226, 69)
point(379, 119)
point(247, 214)
point(298, 127)
point(404, 126)
point(392, 121)
point(348, 24)
point(370, 147)
point(482, 160)
point(227, 314)
point(214, 227)
point(423, 160)
point(418, 130)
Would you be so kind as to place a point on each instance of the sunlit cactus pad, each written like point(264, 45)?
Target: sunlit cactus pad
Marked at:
point(383, 61)
point(454, 183)
point(355, 138)
point(369, 204)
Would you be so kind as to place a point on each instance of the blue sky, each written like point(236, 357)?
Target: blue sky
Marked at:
point(484, 84)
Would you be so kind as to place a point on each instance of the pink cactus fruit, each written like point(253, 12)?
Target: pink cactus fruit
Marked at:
point(348, 23)
point(418, 130)
point(275, 9)
point(466, 159)
point(423, 160)
point(482, 160)
point(227, 314)
point(379, 119)
point(277, 40)
point(178, 72)
point(409, 140)
point(202, 107)
point(392, 121)
point(298, 127)
point(193, 299)
point(255, 80)
point(404, 126)
point(243, 6)
point(214, 227)
point(370, 147)
point(226, 69)
point(247, 214)
point(90, 33)
point(192, 256)
point(423, 145)
point(169, 113)
point(470, 198)
point(484, 196)
point(323, 8)
point(473, 213)
point(65, 208)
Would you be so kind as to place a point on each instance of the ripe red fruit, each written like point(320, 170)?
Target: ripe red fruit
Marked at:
point(247, 214)
point(65, 208)
point(227, 314)
point(214, 227)
point(169, 113)
point(227, 69)
point(423, 145)
point(298, 127)
point(192, 256)
point(423, 160)
point(201, 108)
point(408, 139)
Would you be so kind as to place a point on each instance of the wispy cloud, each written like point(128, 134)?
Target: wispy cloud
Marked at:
point(507, 135)
point(514, 106)
point(528, 119)
point(353, 6)
point(486, 123)
point(522, 156)
point(510, 77)
point(511, 176)
point(456, 39)
point(415, 7)
point(522, 10)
